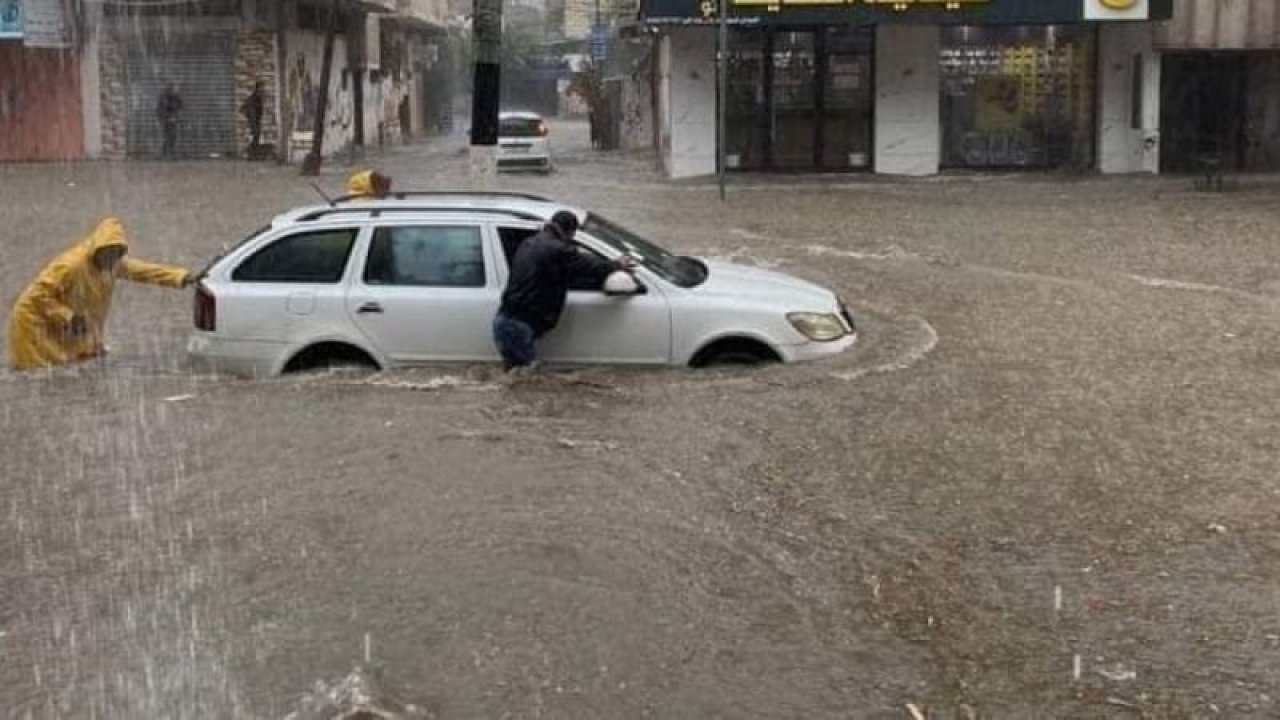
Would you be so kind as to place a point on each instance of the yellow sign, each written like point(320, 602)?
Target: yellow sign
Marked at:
point(1119, 4)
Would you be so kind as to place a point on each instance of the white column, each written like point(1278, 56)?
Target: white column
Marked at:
point(91, 81)
point(692, 105)
point(908, 126)
point(1128, 74)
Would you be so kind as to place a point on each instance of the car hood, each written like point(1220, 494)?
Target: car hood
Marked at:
point(744, 281)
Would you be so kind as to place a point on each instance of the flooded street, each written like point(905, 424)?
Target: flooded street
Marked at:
point(1043, 484)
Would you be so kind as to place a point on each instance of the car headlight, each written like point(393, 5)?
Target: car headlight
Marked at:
point(819, 327)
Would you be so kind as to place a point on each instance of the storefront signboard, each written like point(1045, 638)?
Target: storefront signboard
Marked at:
point(10, 19)
point(871, 12)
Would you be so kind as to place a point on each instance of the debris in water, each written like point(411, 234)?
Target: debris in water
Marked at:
point(179, 398)
point(916, 714)
point(1118, 673)
point(352, 698)
point(1216, 528)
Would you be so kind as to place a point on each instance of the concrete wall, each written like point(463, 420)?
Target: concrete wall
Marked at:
point(688, 76)
point(91, 81)
point(1123, 148)
point(908, 134)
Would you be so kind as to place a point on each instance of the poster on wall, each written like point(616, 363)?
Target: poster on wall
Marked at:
point(1116, 10)
point(10, 19)
point(45, 25)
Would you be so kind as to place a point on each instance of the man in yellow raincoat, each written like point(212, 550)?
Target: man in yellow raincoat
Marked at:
point(61, 317)
point(368, 183)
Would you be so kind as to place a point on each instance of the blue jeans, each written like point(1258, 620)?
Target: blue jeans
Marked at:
point(514, 339)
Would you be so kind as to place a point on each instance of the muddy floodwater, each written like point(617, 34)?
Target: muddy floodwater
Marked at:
point(1043, 484)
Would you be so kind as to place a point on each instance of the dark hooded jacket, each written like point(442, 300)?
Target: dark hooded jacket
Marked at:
point(540, 273)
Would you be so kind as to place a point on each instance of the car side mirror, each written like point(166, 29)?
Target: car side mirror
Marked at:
point(622, 284)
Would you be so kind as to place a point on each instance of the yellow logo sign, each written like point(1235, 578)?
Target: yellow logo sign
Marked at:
point(1118, 4)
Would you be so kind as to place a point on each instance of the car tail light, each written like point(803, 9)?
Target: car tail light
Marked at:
point(206, 309)
point(542, 128)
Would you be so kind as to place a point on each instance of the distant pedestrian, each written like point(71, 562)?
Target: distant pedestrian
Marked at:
point(169, 112)
point(61, 317)
point(252, 109)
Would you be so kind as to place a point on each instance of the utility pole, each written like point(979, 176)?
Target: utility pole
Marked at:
point(722, 73)
point(486, 88)
point(311, 166)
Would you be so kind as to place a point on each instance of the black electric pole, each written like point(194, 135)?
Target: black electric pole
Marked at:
point(486, 34)
point(311, 165)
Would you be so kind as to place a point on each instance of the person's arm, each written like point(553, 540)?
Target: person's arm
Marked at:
point(141, 271)
point(592, 268)
point(47, 292)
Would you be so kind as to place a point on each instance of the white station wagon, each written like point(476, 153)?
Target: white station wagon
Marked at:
point(416, 278)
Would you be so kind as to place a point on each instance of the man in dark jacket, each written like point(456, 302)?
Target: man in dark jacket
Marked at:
point(252, 110)
point(168, 110)
point(538, 285)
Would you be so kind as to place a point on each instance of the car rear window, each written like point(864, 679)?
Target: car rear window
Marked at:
point(520, 127)
point(310, 257)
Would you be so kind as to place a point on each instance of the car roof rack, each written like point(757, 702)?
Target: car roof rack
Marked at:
point(408, 194)
point(379, 211)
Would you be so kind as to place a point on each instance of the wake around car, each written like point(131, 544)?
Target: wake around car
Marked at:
point(416, 278)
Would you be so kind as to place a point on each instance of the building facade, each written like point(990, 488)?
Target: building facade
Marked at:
point(83, 79)
point(910, 87)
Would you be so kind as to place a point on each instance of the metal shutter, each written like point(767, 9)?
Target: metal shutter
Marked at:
point(204, 70)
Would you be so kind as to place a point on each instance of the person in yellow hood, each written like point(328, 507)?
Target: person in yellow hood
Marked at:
point(61, 317)
point(368, 183)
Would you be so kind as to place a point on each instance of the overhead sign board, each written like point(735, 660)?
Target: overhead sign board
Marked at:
point(1117, 10)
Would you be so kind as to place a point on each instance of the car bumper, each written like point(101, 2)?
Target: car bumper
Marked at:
point(243, 358)
point(817, 350)
point(524, 162)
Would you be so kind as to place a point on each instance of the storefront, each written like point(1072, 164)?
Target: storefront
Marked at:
point(908, 87)
point(1220, 94)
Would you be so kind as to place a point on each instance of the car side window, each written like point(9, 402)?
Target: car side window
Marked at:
point(311, 257)
point(513, 237)
point(431, 256)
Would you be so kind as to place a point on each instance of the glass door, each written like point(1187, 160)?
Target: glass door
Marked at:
point(795, 111)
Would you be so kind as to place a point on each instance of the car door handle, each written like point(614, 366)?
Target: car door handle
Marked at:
point(368, 308)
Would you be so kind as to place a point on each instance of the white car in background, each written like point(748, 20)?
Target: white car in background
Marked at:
point(523, 142)
point(416, 278)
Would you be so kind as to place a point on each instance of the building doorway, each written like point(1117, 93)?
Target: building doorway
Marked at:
point(1220, 104)
point(799, 99)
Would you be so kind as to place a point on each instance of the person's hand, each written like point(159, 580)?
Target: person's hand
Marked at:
point(77, 328)
point(626, 263)
point(188, 280)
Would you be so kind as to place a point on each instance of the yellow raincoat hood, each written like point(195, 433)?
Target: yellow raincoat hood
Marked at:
point(361, 184)
point(71, 291)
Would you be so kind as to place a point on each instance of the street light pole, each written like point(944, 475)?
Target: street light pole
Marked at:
point(722, 73)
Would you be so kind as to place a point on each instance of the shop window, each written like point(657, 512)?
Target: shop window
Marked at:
point(1018, 97)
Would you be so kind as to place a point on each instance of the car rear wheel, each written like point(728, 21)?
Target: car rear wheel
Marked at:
point(735, 352)
point(328, 356)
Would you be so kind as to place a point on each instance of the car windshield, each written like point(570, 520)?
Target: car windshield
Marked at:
point(685, 272)
point(519, 126)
